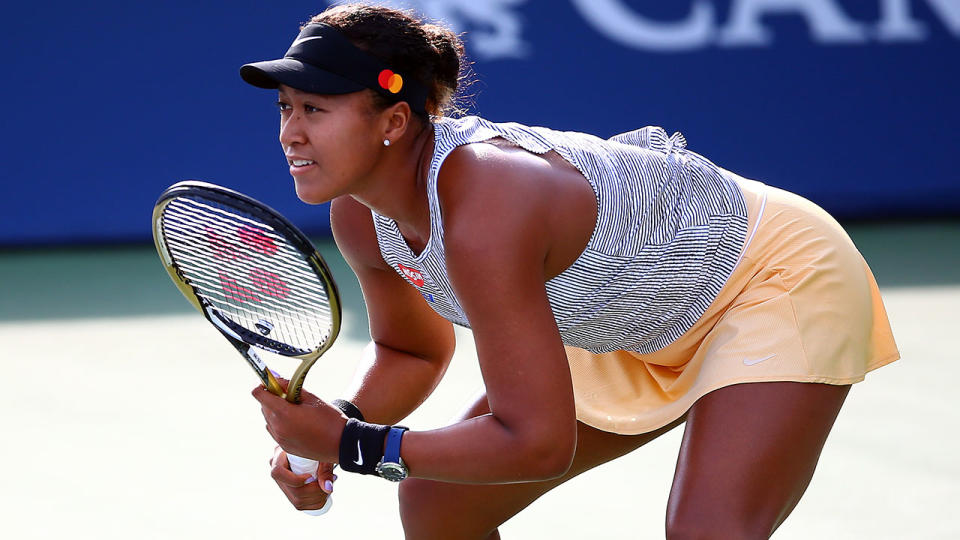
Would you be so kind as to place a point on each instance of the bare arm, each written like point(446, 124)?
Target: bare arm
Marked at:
point(411, 345)
point(497, 268)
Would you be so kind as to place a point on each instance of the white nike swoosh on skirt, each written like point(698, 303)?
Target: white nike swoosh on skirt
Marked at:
point(757, 361)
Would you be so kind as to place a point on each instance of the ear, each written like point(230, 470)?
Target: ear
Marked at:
point(397, 119)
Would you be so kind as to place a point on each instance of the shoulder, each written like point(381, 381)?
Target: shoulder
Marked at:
point(352, 225)
point(494, 170)
point(493, 175)
point(493, 200)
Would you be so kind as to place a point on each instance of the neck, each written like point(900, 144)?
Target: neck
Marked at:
point(397, 188)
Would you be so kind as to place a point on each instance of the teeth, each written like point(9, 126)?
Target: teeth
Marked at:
point(301, 162)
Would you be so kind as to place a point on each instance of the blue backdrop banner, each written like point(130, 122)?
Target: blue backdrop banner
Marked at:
point(852, 103)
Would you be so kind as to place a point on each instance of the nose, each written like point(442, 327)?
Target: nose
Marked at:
point(291, 130)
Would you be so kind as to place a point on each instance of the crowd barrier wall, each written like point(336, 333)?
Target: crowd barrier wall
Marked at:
point(851, 103)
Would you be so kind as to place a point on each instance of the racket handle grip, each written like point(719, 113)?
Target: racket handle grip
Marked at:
point(301, 465)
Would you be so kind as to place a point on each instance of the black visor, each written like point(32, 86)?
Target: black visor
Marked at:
point(323, 61)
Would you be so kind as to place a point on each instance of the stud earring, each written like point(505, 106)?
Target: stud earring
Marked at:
point(386, 142)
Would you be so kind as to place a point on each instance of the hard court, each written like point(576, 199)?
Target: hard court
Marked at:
point(125, 415)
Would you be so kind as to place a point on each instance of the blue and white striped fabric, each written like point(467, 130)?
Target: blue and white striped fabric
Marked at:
point(669, 232)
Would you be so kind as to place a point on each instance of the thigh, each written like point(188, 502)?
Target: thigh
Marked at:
point(431, 509)
point(748, 454)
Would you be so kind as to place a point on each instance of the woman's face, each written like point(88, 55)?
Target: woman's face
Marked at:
point(330, 142)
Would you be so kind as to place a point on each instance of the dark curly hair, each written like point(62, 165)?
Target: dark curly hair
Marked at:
point(430, 53)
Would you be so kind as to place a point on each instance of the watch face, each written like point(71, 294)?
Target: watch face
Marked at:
point(394, 472)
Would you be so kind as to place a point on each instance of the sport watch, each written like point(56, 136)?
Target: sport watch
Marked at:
point(391, 467)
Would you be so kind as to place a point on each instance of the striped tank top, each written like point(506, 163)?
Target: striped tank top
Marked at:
point(670, 229)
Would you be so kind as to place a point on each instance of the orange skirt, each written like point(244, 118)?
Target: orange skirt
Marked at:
point(802, 305)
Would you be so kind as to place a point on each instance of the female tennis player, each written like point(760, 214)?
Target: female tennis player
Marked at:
point(615, 288)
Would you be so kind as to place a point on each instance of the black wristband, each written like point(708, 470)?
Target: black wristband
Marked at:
point(348, 409)
point(361, 446)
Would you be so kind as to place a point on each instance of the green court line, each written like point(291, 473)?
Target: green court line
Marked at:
point(77, 282)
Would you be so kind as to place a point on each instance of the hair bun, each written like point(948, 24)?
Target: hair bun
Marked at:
point(431, 53)
point(447, 70)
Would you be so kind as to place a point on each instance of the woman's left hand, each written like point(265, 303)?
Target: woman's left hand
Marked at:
point(309, 429)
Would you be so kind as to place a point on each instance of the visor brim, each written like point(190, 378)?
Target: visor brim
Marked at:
point(291, 72)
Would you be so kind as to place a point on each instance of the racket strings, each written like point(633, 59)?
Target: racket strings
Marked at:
point(249, 272)
point(222, 285)
point(251, 297)
point(195, 255)
point(246, 307)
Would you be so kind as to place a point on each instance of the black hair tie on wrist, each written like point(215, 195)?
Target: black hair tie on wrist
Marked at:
point(348, 409)
point(361, 446)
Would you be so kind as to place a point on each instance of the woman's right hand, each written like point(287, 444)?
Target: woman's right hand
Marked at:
point(303, 495)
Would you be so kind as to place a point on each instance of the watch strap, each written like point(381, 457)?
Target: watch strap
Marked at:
point(391, 451)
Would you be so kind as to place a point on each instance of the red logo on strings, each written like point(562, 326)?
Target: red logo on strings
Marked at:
point(269, 283)
point(220, 246)
point(235, 291)
point(413, 275)
point(256, 240)
point(265, 282)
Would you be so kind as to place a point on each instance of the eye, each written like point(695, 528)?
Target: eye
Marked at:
point(282, 106)
point(312, 109)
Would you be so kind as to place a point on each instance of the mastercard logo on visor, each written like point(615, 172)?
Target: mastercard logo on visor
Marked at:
point(390, 81)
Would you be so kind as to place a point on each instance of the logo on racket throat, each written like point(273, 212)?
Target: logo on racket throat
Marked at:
point(415, 276)
point(264, 327)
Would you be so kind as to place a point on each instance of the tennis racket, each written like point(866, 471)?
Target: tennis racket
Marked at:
point(254, 276)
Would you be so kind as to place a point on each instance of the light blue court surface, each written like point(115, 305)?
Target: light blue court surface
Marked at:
point(126, 416)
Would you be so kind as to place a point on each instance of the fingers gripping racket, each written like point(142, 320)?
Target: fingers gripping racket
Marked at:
point(254, 276)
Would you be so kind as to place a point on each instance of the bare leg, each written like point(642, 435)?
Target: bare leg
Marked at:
point(748, 454)
point(431, 509)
